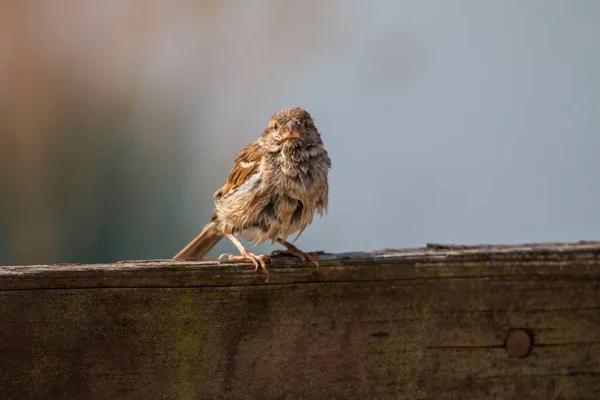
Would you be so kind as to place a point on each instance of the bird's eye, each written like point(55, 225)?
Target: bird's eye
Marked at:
point(275, 125)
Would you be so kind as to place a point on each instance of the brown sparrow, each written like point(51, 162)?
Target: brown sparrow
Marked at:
point(276, 185)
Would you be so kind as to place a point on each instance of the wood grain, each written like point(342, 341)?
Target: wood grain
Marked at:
point(424, 323)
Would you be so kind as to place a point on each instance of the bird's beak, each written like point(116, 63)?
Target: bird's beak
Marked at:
point(292, 130)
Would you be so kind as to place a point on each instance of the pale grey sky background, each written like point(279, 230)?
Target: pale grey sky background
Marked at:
point(464, 121)
point(448, 121)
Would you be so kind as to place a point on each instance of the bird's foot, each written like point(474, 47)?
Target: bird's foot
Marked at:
point(296, 252)
point(259, 260)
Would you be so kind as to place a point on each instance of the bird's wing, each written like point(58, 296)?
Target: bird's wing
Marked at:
point(245, 164)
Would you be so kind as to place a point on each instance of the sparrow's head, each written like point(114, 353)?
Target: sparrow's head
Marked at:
point(291, 127)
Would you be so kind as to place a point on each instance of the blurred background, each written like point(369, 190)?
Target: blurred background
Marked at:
point(462, 121)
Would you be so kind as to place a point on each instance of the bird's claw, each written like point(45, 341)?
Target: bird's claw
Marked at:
point(259, 260)
point(308, 257)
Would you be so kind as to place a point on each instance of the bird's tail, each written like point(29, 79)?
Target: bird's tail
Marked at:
point(197, 248)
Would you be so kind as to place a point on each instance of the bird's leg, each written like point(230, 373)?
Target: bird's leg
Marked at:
point(257, 260)
point(294, 251)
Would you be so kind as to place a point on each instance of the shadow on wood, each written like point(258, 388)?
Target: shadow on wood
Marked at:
point(440, 322)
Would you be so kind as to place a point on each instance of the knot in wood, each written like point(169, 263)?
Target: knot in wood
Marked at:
point(518, 343)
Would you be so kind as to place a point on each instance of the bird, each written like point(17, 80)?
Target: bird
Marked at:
point(277, 184)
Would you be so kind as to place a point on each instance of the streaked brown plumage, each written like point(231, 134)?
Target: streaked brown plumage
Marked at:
point(276, 185)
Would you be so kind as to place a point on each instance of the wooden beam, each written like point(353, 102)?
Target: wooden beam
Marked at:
point(422, 323)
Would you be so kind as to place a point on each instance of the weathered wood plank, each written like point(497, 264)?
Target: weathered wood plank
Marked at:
point(418, 324)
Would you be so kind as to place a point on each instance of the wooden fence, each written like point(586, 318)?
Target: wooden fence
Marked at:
point(440, 322)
